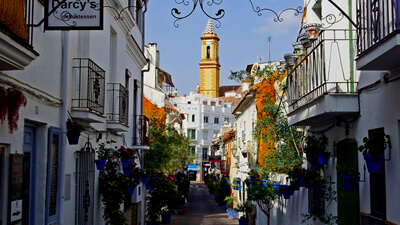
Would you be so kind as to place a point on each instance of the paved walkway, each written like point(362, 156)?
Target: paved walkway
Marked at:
point(202, 210)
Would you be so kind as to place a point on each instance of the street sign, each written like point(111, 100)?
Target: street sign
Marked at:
point(16, 210)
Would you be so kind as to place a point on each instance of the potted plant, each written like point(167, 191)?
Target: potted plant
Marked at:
point(126, 155)
point(243, 208)
point(264, 195)
point(229, 202)
point(304, 40)
point(294, 175)
point(298, 49)
point(157, 197)
point(312, 30)
point(350, 177)
point(373, 151)
point(113, 191)
point(74, 130)
point(289, 59)
point(315, 150)
point(104, 153)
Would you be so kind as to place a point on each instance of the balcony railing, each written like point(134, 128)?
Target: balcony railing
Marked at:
point(141, 130)
point(118, 98)
point(90, 86)
point(324, 70)
point(377, 20)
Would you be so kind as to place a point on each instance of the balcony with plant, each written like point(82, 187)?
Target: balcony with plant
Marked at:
point(321, 86)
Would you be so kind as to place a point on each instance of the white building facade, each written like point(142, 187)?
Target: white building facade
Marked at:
point(93, 77)
point(204, 118)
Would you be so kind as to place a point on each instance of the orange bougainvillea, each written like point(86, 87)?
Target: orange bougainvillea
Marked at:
point(151, 111)
point(266, 95)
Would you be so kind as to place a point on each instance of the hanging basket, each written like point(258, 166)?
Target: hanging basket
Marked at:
point(374, 165)
point(349, 182)
point(100, 164)
point(323, 158)
point(73, 139)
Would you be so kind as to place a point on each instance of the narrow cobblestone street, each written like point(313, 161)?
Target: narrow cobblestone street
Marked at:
point(201, 209)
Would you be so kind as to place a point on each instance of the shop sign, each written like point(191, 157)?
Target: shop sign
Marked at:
point(74, 15)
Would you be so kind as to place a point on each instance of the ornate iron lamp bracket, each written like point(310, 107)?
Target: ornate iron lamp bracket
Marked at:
point(278, 18)
point(342, 13)
point(118, 16)
point(218, 15)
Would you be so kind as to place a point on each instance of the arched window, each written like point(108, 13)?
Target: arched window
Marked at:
point(208, 52)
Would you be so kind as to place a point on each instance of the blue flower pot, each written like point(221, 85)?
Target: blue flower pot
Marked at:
point(131, 190)
point(243, 221)
point(374, 165)
point(349, 182)
point(145, 180)
point(125, 163)
point(100, 164)
point(232, 214)
point(315, 166)
point(323, 158)
point(166, 218)
point(73, 139)
point(127, 171)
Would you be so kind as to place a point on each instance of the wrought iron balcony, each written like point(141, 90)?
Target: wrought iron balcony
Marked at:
point(141, 131)
point(378, 38)
point(321, 87)
point(90, 83)
point(15, 40)
point(118, 104)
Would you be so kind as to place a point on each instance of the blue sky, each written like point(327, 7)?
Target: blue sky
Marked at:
point(243, 36)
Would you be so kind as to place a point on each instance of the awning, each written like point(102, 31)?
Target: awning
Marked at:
point(193, 167)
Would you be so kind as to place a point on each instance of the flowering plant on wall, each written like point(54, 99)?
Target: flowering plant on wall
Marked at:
point(74, 128)
point(375, 146)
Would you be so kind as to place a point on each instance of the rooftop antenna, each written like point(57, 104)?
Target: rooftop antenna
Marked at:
point(269, 48)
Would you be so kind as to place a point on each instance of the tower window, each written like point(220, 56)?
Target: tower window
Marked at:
point(208, 52)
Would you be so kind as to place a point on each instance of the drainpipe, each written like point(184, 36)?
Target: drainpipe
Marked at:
point(63, 119)
point(143, 205)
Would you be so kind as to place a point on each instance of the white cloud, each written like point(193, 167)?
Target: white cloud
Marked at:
point(290, 23)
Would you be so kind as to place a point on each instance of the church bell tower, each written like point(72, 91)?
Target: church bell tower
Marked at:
point(209, 63)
